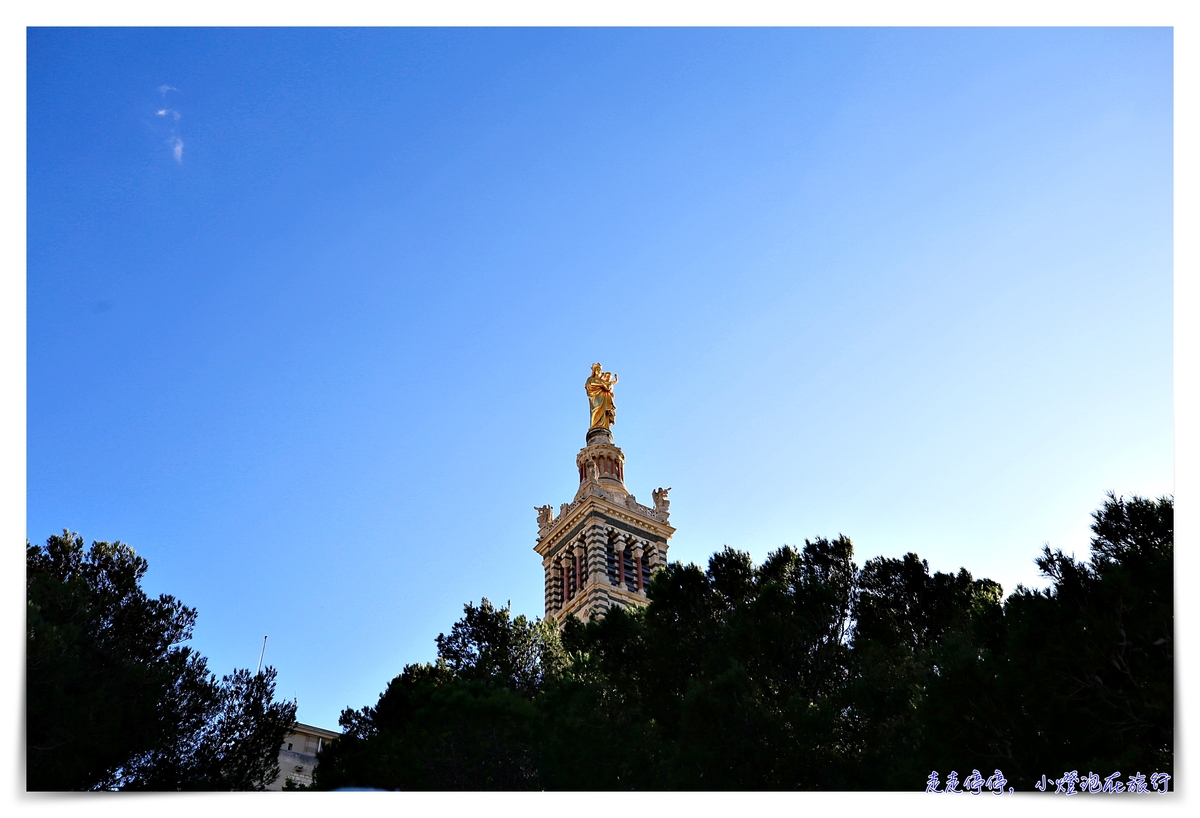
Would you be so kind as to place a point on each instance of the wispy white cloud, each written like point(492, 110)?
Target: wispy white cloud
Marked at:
point(173, 116)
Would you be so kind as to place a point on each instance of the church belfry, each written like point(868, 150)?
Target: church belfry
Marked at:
point(602, 547)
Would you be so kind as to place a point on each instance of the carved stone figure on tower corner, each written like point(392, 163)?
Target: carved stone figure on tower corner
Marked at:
point(661, 504)
point(599, 386)
point(545, 515)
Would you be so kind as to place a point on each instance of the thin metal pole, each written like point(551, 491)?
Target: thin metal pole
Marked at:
point(260, 656)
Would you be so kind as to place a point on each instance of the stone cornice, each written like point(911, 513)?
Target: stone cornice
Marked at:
point(553, 534)
point(301, 728)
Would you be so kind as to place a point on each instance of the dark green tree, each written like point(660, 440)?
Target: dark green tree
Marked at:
point(232, 744)
point(464, 722)
point(114, 698)
point(727, 680)
point(1089, 674)
point(918, 694)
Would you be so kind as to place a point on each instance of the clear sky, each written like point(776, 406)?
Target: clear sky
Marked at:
point(310, 311)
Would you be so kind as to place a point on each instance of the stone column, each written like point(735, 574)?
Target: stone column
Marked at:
point(550, 606)
point(580, 560)
point(560, 583)
point(565, 563)
point(653, 556)
point(620, 546)
point(596, 540)
point(637, 565)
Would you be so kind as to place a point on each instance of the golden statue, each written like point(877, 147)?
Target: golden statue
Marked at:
point(600, 393)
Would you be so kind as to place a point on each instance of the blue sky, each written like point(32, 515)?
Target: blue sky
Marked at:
point(310, 311)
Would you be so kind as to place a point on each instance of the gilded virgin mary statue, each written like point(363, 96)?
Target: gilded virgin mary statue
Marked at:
point(599, 388)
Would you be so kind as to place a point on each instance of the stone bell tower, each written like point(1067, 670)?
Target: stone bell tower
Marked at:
point(602, 547)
